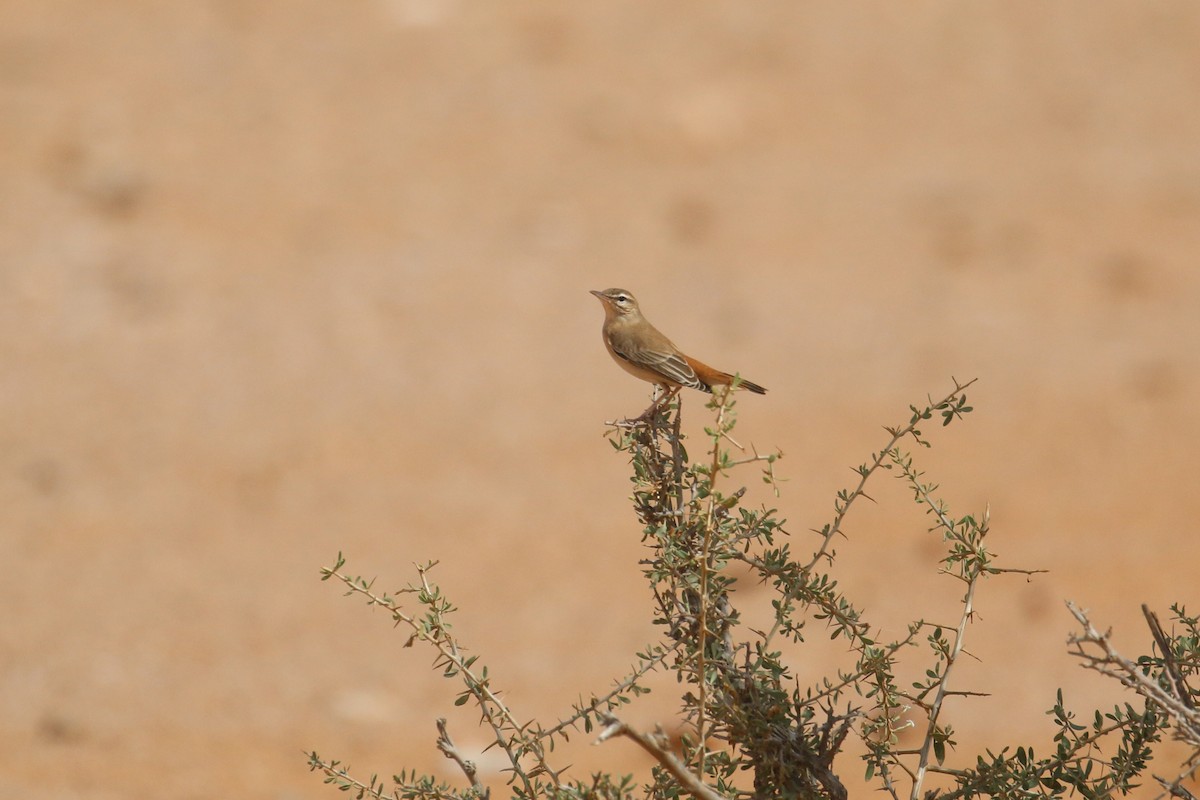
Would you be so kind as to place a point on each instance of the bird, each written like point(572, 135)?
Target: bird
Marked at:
point(644, 352)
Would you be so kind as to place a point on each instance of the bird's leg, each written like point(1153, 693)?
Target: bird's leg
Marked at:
point(658, 404)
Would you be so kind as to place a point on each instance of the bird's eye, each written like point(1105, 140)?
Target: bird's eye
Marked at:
point(622, 298)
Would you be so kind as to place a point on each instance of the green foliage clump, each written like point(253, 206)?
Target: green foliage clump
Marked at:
point(751, 728)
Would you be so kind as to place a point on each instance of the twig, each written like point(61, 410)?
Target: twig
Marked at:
point(446, 745)
point(705, 568)
point(342, 778)
point(1174, 789)
point(1168, 656)
point(493, 709)
point(865, 473)
point(846, 499)
point(1114, 665)
point(656, 745)
point(621, 687)
point(677, 458)
point(936, 709)
point(855, 677)
point(971, 577)
point(339, 776)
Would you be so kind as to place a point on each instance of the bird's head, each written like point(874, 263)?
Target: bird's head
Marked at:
point(617, 302)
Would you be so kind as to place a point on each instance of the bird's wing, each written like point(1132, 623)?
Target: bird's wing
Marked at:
point(663, 358)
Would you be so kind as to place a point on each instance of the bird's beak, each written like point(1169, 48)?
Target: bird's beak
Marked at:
point(599, 295)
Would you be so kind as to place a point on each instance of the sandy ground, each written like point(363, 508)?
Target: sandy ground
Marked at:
point(279, 279)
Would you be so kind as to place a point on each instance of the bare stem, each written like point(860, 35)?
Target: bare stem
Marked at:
point(709, 512)
point(935, 709)
point(656, 745)
point(1114, 665)
point(446, 745)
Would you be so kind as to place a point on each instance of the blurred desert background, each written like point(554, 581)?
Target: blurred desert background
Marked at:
point(279, 279)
